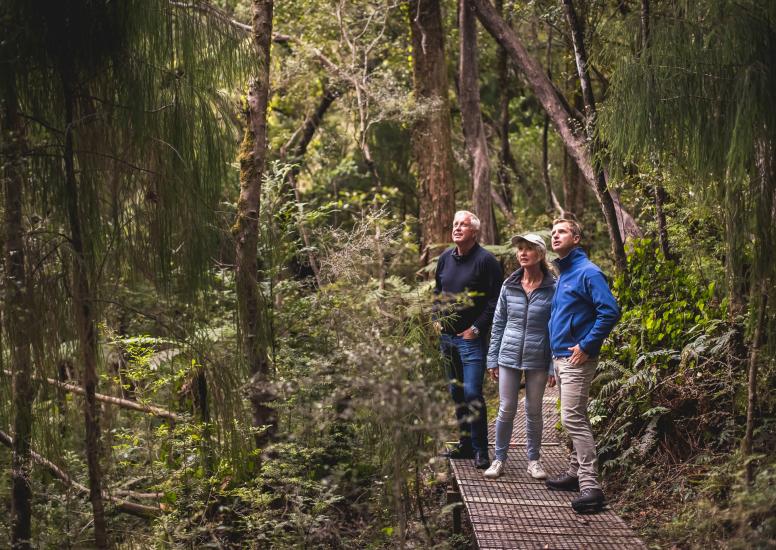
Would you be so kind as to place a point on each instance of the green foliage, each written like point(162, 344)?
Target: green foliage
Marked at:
point(652, 381)
point(361, 394)
point(725, 511)
point(664, 304)
point(668, 409)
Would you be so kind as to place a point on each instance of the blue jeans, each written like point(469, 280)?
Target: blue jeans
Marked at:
point(465, 366)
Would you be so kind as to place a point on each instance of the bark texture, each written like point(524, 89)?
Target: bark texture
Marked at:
point(751, 401)
point(17, 319)
point(246, 229)
point(431, 134)
point(553, 205)
point(473, 127)
point(561, 118)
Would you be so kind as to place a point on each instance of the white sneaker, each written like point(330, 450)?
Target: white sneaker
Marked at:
point(495, 470)
point(535, 469)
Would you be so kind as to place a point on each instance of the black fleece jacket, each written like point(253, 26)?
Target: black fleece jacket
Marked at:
point(477, 275)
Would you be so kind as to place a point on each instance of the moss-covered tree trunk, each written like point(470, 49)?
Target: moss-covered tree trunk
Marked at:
point(431, 134)
point(246, 229)
point(17, 317)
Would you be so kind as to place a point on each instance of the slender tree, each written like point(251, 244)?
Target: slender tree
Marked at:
point(253, 152)
point(431, 135)
point(552, 201)
point(83, 305)
point(588, 96)
point(17, 313)
point(658, 191)
point(502, 127)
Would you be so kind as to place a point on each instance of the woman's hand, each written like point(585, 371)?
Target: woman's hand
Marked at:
point(551, 381)
point(493, 374)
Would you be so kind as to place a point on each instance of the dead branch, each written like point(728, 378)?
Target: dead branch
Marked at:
point(139, 510)
point(124, 403)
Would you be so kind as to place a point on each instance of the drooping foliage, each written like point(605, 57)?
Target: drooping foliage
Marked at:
point(699, 98)
point(151, 83)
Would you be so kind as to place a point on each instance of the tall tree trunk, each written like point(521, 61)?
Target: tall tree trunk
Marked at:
point(473, 128)
point(580, 57)
point(602, 186)
point(761, 274)
point(84, 321)
point(553, 205)
point(17, 317)
point(561, 118)
point(246, 229)
point(431, 135)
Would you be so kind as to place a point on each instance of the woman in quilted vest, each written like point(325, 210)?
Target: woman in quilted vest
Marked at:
point(520, 347)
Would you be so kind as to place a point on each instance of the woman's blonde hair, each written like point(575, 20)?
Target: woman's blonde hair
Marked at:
point(547, 267)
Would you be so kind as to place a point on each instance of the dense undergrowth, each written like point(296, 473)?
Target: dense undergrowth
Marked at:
point(670, 413)
point(362, 406)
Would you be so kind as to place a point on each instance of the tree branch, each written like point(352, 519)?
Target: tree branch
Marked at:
point(139, 510)
point(123, 403)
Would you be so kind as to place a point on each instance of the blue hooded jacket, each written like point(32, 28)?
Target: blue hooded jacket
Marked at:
point(584, 311)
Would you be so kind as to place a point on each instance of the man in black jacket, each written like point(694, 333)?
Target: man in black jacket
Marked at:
point(468, 281)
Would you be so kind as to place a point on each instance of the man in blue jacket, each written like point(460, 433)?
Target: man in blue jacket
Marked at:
point(469, 278)
point(583, 314)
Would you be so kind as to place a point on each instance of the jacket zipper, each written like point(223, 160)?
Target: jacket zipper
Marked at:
point(525, 319)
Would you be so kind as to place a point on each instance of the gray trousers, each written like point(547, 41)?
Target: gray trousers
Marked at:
point(574, 385)
point(508, 391)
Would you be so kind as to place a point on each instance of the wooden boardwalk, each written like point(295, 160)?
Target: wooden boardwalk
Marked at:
point(517, 511)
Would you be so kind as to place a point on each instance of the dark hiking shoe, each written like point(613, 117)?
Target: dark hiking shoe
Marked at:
point(482, 460)
point(589, 501)
point(563, 483)
point(460, 452)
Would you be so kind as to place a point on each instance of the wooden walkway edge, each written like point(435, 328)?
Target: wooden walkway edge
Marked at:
point(517, 511)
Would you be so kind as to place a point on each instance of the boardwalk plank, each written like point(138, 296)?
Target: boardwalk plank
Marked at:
point(517, 511)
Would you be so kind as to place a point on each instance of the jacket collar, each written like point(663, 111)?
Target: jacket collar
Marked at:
point(573, 257)
point(515, 280)
point(458, 258)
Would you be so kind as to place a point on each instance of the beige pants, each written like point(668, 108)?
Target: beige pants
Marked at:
point(574, 385)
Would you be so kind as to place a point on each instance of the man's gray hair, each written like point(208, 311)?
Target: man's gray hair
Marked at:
point(475, 221)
